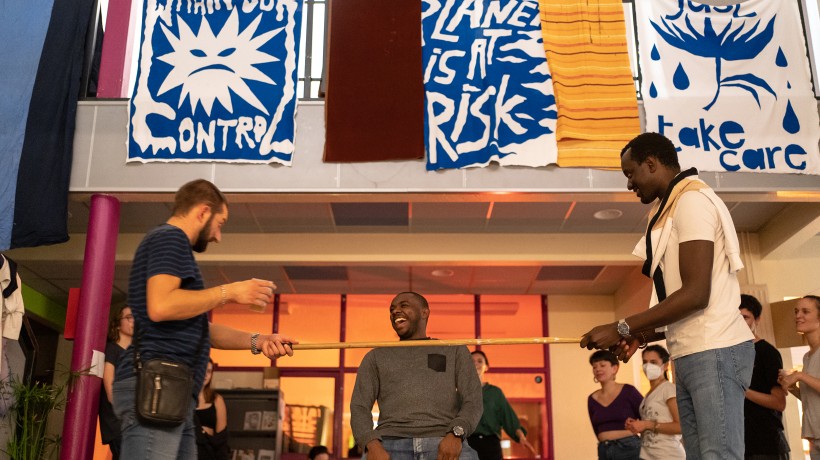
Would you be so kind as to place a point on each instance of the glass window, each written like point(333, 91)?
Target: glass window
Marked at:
point(513, 317)
point(525, 393)
point(243, 318)
point(368, 320)
point(309, 413)
point(311, 318)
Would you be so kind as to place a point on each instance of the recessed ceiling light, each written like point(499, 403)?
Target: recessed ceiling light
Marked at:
point(443, 273)
point(608, 214)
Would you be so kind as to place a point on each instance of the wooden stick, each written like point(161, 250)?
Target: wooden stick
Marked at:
point(437, 343)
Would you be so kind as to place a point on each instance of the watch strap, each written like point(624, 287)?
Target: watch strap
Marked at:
point(254, 339)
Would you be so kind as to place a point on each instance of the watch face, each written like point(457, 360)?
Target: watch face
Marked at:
point(623, 328)
point(458, 431)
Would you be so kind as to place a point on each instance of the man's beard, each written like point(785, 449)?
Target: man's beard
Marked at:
point(201, 243)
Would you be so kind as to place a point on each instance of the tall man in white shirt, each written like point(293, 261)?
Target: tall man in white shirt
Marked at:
point(691, 253)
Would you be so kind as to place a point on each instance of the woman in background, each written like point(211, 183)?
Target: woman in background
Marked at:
point(120, 331)
point(659, 425)
point(486, 439)
point(211, 418)
point(807, 321)
point(610, 407)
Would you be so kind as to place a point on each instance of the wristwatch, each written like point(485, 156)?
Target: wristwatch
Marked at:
point(458, 431)
point(254, 338)
point(623, 328)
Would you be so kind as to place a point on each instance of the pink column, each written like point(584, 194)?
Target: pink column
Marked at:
point(114, 50)
point(92, 324)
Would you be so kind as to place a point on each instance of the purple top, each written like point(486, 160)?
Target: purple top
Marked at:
point(613, 416)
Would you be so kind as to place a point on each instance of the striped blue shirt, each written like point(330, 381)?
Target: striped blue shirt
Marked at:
point(166, 250)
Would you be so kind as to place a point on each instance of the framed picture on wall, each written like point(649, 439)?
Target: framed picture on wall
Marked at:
point(252, 420)
point(268, 420)
point(244, 454)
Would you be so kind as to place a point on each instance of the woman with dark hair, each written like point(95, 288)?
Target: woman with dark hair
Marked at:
point(120, 331)
point(659, 425)
point(211, 418)
point(610, 407)
point(807, 320)
point(498, 414)
point(318, 453)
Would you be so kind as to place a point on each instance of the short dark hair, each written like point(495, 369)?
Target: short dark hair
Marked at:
point(316, 451)
point(750, 302)
point(603, 355)
point(196, 192)
point(418, 296)
point(479, 352)
point(652, 144)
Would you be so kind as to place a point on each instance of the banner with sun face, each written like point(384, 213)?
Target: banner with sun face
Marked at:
point(216, 81)
point(730, 85)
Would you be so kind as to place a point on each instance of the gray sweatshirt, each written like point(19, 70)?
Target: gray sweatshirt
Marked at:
point(421, 391)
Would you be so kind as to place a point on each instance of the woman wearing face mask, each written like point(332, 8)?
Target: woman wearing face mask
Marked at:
point(498, 414)
point(610, 407)
point(659, 425)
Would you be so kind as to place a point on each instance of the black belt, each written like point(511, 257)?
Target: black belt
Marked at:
point(611, 441)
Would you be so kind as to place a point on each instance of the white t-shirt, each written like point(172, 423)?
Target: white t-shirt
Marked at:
point(719, 325)
point(654, 407)
point(811, 398)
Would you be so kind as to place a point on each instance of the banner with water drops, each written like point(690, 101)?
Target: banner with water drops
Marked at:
point(730, 85)
point(216, 81)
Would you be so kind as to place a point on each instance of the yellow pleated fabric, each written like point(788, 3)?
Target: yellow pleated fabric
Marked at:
point(585, 42)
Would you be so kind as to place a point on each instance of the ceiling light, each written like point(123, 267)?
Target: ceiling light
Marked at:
point(608, 214)
point(443, 273)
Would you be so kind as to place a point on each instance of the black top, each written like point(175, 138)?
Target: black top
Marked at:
point(207, 417)
point(109, 424)
point(764, 427)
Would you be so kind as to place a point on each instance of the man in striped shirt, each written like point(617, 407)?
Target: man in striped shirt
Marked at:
point(170, 305)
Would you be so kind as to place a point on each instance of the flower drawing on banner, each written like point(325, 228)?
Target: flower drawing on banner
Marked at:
point(730, 44)
point(209, 67)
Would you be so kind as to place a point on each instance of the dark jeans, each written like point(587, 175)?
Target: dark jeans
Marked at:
point(115, 449)
point(628, 448)
point(487, 446)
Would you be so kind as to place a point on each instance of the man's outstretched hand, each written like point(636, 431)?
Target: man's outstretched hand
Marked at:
point(606, 337)
point(601, 337)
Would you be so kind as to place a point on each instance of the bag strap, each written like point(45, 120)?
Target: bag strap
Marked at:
point(657, 277)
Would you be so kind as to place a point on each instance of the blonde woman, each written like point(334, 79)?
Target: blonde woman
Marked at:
point(805, 384)
point(659, 425)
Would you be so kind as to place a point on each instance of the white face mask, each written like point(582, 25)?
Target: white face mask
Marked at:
point(652, 371)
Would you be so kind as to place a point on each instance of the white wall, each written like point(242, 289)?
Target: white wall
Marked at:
point(571, 374)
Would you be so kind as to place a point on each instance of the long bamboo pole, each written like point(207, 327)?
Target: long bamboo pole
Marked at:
point(437, 343)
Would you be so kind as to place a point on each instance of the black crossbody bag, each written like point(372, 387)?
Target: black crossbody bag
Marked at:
point(164, 388)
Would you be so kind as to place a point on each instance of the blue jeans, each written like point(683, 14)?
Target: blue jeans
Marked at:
point(711, 387)
point(420, 449)
point(141, 441)
point(628, 448)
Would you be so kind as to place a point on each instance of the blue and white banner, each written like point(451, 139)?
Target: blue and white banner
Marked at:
point(730, 85)
point(216, 81)
point(488, 94)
